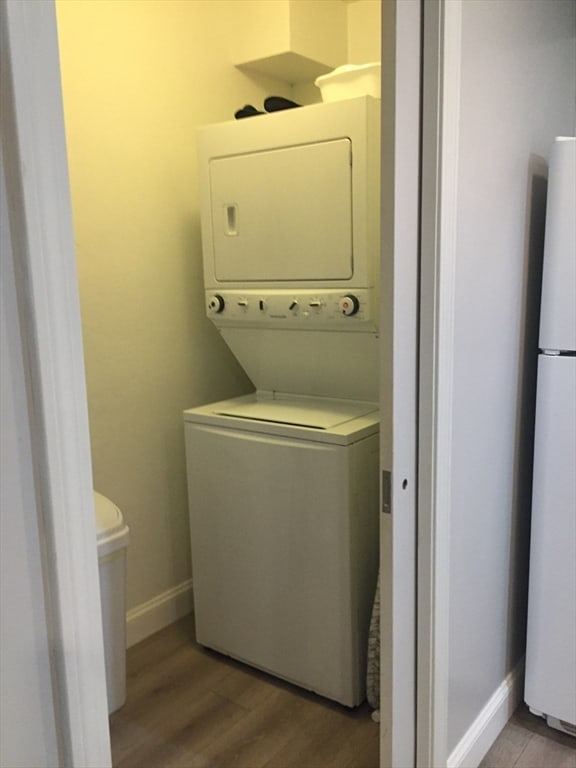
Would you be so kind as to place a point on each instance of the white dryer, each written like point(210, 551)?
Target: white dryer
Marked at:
point(284, 526)
point(290, 207)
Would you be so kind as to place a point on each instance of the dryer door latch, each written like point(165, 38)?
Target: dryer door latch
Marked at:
point(386, 492)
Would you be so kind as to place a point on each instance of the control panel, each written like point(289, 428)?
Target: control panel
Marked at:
point(327, 309)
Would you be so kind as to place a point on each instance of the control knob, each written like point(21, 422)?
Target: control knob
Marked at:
point(349, 305)
point(216, 303)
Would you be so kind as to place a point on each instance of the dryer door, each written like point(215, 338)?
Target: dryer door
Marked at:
point(283, 214)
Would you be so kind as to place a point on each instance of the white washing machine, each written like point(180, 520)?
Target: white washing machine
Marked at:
point(283, 484)
point(284, 528)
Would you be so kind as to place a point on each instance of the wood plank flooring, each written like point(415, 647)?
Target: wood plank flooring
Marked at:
point(527, 742)
point(191, 708)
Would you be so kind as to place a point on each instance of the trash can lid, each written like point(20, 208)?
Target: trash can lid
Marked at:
point(111, 532)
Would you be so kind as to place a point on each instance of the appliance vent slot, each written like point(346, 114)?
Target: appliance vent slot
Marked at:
point(271, 421)
point(568, 727)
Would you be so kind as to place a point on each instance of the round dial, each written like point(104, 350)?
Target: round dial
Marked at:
point(349, 305)
point(216, 303)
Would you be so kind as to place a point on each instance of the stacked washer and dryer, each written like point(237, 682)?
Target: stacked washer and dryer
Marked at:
point(283, 483)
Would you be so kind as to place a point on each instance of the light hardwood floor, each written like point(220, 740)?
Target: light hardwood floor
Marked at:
point(527, 742)
point(191, 708)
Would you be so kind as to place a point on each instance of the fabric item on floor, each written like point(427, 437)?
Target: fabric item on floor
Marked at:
point(373, 666)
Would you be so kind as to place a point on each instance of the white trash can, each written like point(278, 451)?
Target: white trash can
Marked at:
point(112, 537)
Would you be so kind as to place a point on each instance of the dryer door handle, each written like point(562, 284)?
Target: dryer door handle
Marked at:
point(231, 220)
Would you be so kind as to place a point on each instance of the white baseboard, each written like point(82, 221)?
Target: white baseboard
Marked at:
point(155, 614)
point(478, 739)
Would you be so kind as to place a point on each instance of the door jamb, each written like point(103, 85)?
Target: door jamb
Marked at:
point(38, 198)
point(440, 134)
point(399, 377)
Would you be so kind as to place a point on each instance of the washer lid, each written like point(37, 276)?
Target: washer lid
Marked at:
point(298, 417)
point(298, 412)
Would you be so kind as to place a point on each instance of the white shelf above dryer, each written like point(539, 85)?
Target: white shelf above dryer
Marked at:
point(294, 41)
point(288, 66)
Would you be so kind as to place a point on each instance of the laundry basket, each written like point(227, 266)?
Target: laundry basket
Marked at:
point(112, 538)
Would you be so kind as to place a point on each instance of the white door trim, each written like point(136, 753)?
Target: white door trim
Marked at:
point(399, 379)
point(440, 133)
point(38, 198)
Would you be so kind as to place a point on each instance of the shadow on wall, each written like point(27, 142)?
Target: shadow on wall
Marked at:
point(536, 194)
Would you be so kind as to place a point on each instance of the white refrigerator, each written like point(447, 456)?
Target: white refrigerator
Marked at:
point(550, 689)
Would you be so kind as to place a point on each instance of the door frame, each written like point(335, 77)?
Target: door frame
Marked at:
point(34, 140)
point(401, 74)
point(38, 200)
point(441, 69)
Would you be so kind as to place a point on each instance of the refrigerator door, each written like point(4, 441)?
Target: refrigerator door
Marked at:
point(551, 642)
point(558, 314)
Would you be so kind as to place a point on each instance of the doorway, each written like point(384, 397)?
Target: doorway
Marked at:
point(111, 370)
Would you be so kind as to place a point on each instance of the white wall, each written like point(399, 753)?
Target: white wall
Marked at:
point(517, 92)
point(27, 715)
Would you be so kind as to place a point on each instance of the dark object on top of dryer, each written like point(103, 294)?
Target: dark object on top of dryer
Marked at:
point(277, 103)
point(247, 111)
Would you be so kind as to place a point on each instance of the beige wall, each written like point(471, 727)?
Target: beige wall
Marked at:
point(364, 30)
point(138, 78)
